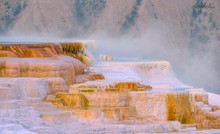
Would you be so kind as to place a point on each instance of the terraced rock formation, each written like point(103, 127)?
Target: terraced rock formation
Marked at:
point(44, 89)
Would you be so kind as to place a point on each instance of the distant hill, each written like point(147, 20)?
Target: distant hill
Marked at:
point(83, 17)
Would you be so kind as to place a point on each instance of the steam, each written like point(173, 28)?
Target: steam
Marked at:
point(197, 68)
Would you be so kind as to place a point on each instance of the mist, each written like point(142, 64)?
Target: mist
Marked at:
point(195, 67)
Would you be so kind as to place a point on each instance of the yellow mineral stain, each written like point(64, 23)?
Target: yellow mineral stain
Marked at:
point(129, 86)
point(2, 69)
point(72, 47)
point(75, 100)
point(179, 107)
point(76, 50)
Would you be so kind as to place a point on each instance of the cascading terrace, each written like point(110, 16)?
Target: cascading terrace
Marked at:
point(62, 85)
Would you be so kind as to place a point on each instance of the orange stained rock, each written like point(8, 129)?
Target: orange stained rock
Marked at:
point(32, 49)
point(88, 77)
point(75, 100)
point(45, 50)
point(132, 86)
point(4, 53)
point(60, 66)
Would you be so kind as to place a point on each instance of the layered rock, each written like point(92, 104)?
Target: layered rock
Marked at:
point(44, 60)
point(88, 77)
point(206, 116)
point(41, 68)
point(23, 88)
point(109, 86)
point(158, 74)
point(183, 106)
point(77, 50)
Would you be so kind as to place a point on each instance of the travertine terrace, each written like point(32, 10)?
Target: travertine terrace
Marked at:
point(59, 88)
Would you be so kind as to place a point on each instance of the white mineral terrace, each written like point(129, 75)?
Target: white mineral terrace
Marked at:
point(49, 91)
